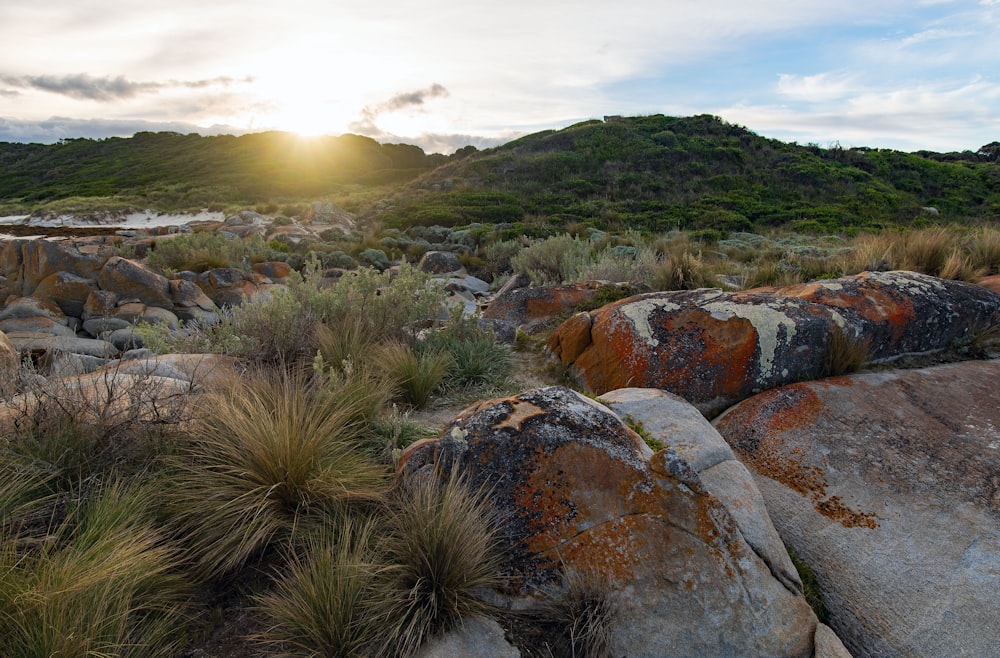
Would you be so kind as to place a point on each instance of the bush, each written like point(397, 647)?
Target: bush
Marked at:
point(416, 375)
point(271, 459)
point(477, 359)
point(553, 261)
point(198, 252)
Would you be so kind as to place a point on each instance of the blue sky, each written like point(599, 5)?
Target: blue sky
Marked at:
point(886, 73)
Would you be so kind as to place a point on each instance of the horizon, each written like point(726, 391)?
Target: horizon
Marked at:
point(901, 75)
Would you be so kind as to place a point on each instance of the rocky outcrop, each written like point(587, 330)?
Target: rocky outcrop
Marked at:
point(475, 638)
point(578, 491)
point(440, 262)
point(530, 308)
point(130, 279)
point(27, 263)
point(888, 485)
point(714, 348)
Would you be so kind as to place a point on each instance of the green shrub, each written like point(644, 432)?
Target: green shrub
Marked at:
point(553, 261)
point(476, 356)
point(441, 548)
point(273, 457)
point(198, 252)
point(277, 329)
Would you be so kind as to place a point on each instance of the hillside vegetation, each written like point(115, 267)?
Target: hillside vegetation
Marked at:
point(658, 173)
point(170, 171)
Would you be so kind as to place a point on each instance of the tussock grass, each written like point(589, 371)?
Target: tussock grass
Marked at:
point(583, 612)
point(415, 374)
point(273, 458)
point(844, 353)
point(104, 583)
point(321, 606)
point(441, 549)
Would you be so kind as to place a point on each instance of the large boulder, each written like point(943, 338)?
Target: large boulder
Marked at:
point(28, 262)
point(531, 308)
point(579, 492)
point(10, 361)
point(229, 286)
point(888, 485)
point(131, 280)
point(66, 290)
point(714, 348)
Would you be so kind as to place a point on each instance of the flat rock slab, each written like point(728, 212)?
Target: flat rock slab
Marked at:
point(30, 341)
point(888, 485)
point(714, 348)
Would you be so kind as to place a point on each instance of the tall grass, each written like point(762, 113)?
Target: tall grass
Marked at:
point(322, 606)
point(553, 261)
point(103, 584)
point(273, 458)
point(416, 375)
point(440, 552)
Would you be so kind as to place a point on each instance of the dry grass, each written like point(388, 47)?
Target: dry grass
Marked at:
point(844, 353)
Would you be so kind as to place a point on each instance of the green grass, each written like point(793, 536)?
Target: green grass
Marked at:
point(271, 459)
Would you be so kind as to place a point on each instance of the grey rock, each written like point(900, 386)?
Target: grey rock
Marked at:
point(476, 638)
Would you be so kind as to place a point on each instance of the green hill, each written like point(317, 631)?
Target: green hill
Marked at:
point(174, 171)
point(659, 173)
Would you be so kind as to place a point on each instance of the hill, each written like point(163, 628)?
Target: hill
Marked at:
point(659, 173)
point(173, 171)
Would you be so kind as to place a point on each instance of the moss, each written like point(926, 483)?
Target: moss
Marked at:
point(810, 586)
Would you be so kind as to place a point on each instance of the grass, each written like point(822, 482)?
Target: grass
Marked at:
point(583, 612)
point(104, 584)
point(273, 458)
point(415, 374)
point(441, 551)
point(321, 606)
point(844, 354)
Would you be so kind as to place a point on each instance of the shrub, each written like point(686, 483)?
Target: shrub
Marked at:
point(618, 265)
point(441, 548)
point(278, 329)
point(498, 256)
point(477, 358)
point(553, 261)
point(272, 457)
point(321, 607)
point(198, 252)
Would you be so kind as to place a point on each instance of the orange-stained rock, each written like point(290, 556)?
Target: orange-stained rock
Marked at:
point(10, 361)
point(275, 270)
point(229, 286)
point(887, 485)
point(130, 279)
point(577, 491)
point(533, 307)
point(715, 348)
point(66, 290)
point(27, 262)
point(991, 283)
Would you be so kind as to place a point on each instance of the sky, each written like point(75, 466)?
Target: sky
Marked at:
point(901, 74)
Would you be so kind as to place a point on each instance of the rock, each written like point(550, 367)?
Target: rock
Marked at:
point(714, 348)
point(129, 279)
point(440, 262)
point(679, 426)
point(195, 369)
point(32, 307)
point(28, 262)
point(97, 326)
point(40, 342)
point(99, 304)
point(124, 339)
point(228, 286)
point(67, 290)
point(476, 638)
point(39, 325)
point(827, 644)
point(887, 485)
point(578, 492)
point(468, 284)
point(66, 364)
point(532, 308)
point(991, 283)
point(275, 270)
point(10, 361)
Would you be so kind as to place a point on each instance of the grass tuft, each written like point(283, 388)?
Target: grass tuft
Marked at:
point(844, 354)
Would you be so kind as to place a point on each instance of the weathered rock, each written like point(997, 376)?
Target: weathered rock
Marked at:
point(531, 308)
point(32, 307)
point(576, 492)
point(124, 339)
point(39, 342)
point(714, 348)
point(10, 361)
point(440, 262)
point(67, 290)
point(679, 426)
point(99, 304)
point(195, 369)
point(475, 638)
point(275, 270)
point(97, 326)
point(229, 286)
point(129, 279)
point(40, 325)
point(27, 262)
point(888, 485)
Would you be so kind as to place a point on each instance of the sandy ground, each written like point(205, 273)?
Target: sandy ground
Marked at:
point(145, 219)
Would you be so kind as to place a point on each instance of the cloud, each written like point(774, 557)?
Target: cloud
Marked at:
point(367, 125)
point(818, 87)
point(56, 128)
point(9, 93)
point(83, 86)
